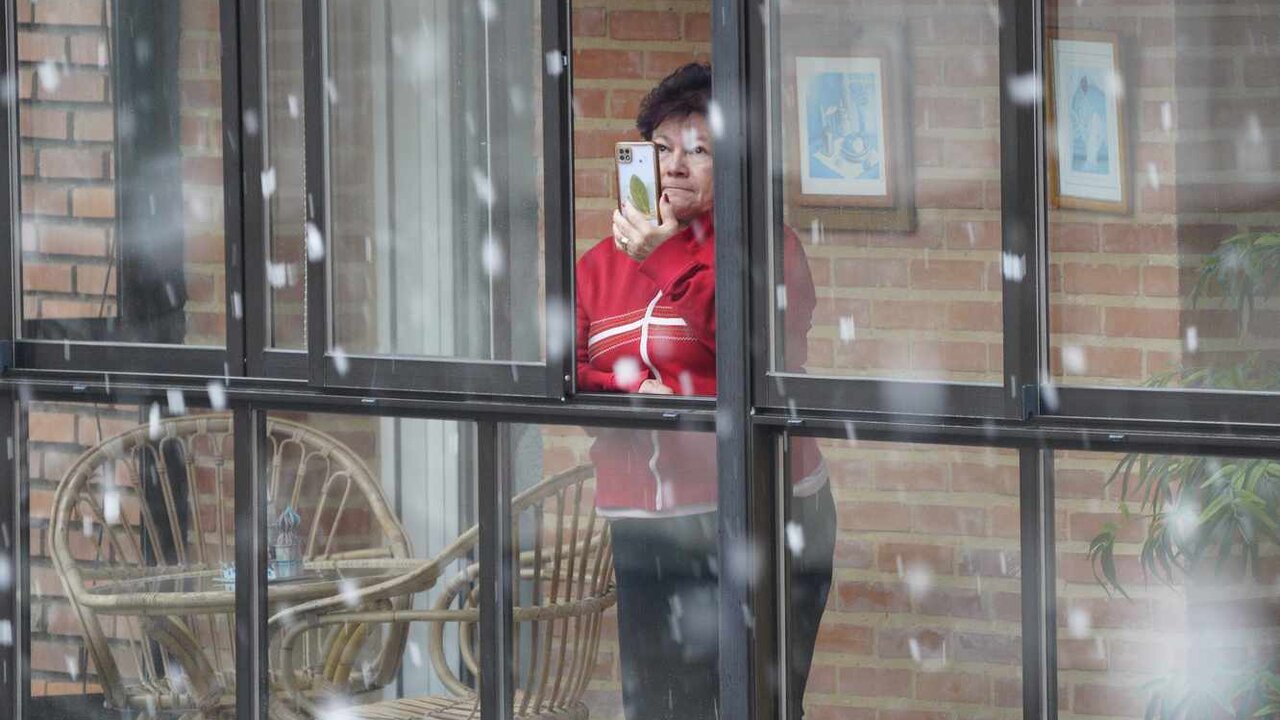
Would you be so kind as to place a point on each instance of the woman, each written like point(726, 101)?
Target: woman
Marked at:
point(646, 324)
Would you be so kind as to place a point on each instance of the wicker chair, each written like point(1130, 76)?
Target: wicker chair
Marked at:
point(566, 584)
point(143, 529)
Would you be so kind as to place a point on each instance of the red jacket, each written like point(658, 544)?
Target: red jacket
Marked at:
point(657, 320)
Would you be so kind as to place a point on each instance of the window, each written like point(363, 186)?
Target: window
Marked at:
point(975, 418)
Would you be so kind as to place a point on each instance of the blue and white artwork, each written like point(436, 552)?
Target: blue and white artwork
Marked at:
point(1086, 94)
point(842, 126)
point(1087, 118)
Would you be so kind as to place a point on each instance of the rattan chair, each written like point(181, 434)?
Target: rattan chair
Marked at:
point(565, 585)
point(143, 533)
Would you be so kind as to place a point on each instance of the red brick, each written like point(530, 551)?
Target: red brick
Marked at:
point(41, 46)
point(953, 687)
point(1099, 279)
point(51, 427)
point(199, 15)
point(590, 102)
point(589, 22)
point(949, 194)
point(73, 240)
point(660, 63)
point(1141, 322)
point(1090, 654)
point(697, 27)
point(94, 125)
point(89, 49)
point(1160, 281)
point(984, 477)
point(977, 316)
point(68, 12)
point(625, 104)
point(950, 520)
point(1073, 237)
point(845, 639)
point(974, 69)
point(906, 314)
point(1084, 526)
point(953, 602)
point(93, 202)
point(46, 277)
point(953, 356)
point(877, 597)
point(895, 643)
point(597, 143)
point(946, 274)
point(935, 557)
point(592, 183)
point(76, 86)
point(93, 278)
point(838, 712)
point(953, 112)
point(42, 123)
point(197, 93)
point(608, 64)
point(974, 235)
point(73, 163)
point(865, 272)
point(1143, 239)
point(644, 25)
point(859, 516)
point(42, 199)
point(874, 682)
point(903, 474)
point(853, 554)
point(1092, 699)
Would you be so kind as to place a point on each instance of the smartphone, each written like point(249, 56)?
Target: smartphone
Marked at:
point(638, 178)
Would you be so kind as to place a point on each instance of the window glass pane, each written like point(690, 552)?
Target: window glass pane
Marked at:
point(645, 308)
point(282, 180)
point(370, 515)
point(435, 160)
point(121, 194)
point(619, 526)
point(885, 127)
point(1166, 587)
point(131, 529)
point(1164, 189)
point(923, 614)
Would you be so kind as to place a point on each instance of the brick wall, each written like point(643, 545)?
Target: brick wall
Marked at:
point(68, 165)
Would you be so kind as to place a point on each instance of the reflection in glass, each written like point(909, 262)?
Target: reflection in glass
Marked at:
point(1167, 569)
point(924, 612)
point(1164, 187)
point(282, 177)
point(435, 229)
point(886, 146)
point(120, 155)
point(132, 583)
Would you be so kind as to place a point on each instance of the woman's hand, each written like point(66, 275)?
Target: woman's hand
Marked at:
point(633, 234)
point(654, 387)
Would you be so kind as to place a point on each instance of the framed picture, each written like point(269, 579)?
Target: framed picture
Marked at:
point(1088, 141)
point(847, 163)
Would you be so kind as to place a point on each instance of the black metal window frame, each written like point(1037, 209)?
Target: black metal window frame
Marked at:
point(754, 415)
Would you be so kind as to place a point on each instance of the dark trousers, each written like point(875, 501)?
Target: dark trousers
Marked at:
point(668, 608)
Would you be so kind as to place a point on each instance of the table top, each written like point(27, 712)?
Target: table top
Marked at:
point(318, 580)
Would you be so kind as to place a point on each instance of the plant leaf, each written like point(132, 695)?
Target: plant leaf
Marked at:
point(640, 196)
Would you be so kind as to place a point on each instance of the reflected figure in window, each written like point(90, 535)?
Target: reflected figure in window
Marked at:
point(646, 323)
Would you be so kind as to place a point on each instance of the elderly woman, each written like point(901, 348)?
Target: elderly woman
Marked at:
point(646, 323)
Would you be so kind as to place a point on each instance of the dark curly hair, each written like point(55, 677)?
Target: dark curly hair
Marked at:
point(685, 92)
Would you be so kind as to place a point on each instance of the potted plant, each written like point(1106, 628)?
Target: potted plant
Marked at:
point(1207, 519)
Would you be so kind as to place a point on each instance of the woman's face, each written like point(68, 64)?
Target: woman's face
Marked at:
point(684, 155)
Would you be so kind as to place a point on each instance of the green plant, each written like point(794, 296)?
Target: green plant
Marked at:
point(1207, 516)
